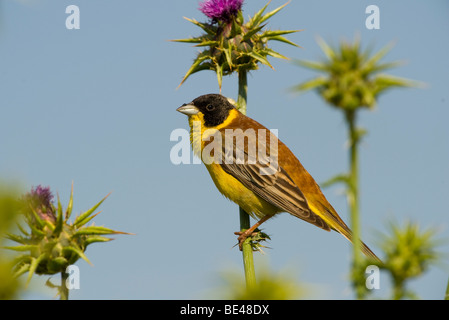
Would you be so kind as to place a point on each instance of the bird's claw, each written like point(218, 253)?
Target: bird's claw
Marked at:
point(243, 236)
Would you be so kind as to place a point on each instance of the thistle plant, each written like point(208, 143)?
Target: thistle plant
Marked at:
point(271, 285)
point(233, 45)
point(351, 81)
point(51, 243)
point(409, 252)
point(9, 207)
point(230, 44)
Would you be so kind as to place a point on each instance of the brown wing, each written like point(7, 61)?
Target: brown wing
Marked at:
point(261, 173)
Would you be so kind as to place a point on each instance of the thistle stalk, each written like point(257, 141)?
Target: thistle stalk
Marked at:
point(243, 91)
point(247, 250)
point(232, 45)
point(350, 81)
point(353, 194)
point(63, 290)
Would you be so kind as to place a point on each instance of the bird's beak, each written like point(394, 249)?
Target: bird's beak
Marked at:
point(188, 109)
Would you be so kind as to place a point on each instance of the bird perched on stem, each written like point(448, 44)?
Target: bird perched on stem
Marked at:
point(252, 167)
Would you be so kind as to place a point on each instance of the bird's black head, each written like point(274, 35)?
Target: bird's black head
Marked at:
point(214, 107)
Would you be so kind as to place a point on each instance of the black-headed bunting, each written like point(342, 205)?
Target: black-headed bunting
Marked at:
point(276, 182)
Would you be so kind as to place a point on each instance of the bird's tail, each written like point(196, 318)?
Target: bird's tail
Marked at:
point(336, 223)
point(342, 228)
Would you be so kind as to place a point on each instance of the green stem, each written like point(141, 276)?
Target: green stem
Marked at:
point(63, 290)
point(353, 195)
point(243, 91)
point(247, 251)
point(398, 290)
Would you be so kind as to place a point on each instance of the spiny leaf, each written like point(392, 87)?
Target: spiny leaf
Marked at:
point(35, 231)
point(283, 39)
point(252, 32)
point(59, 219)
point(219, 71)
point(235, 29)
point(359, 133)
point(196, 66)
point(256, 19)
point(96, 230)
point(40, 223)
point(59, 211)
point(275, 33)
point(328, 51)
point(275, 54)
point(383, 82)
point(379, 55)
point(207, 43)
point(383, 66)
point(272, 13)
point(228, 55)
point(260, 58)
point(310, 84)
point(21, 259)
point(21, 270)
point(26, 247)
point(312, 65)
point(189, 40)
point(93, 239)
point(33, 266)
point(83, 218)
point(50, 284)
point(210, 29)
point(50, 225)
point(16, 238)
point(22, 230)
point(90, 218)
point(78, 252)
point(68, 212)
point(394, 81)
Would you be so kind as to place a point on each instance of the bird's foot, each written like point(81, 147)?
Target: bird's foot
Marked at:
point(243, 236)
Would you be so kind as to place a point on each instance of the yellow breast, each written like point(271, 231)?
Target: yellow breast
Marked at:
point(229, 186)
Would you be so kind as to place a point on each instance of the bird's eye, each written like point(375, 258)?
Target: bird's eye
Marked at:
point(210, 107)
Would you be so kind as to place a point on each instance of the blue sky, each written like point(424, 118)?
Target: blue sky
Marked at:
point(96, 106)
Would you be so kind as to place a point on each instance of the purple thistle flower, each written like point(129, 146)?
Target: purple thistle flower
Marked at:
point(40, 198)
point(42, 194)
point(221, 10)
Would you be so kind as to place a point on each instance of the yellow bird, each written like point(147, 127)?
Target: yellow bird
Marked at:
point(253, 168)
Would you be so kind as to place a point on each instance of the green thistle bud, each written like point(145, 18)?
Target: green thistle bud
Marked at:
point(231, 45)
point(352, 77)
point(53, 243)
